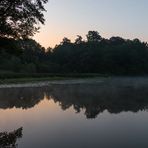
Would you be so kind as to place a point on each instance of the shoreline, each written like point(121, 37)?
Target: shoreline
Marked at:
point(44, 83)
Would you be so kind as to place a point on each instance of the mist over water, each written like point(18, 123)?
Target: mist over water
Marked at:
point(104, 113)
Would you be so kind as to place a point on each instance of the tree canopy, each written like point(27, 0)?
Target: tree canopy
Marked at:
point(93, 36)
point(21, 18)
point(114, 56)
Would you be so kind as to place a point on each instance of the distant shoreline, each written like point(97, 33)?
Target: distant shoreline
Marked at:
point(17, 83)
point(16, 78)
point(45, 82)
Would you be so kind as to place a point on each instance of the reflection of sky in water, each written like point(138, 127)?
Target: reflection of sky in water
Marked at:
point(45, 124)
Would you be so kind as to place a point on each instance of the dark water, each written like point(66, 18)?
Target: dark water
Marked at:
point(108, 114)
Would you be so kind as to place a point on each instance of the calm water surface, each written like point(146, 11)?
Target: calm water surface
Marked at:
point(108, 114)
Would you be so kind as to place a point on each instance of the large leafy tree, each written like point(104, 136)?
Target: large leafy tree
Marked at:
point(21, 18)
point(93, 36)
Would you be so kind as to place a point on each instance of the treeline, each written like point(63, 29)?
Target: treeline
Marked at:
point(115, 56)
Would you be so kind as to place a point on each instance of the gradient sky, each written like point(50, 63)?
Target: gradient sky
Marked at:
point(68, 18)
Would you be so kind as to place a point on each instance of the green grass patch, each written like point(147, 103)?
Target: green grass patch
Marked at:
point(8, 78)
point(28, 80)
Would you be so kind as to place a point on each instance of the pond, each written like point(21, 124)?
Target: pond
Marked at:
point(111, 113)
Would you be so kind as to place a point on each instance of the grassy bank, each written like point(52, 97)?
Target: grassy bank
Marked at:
point(8, 78)
point(28, 80)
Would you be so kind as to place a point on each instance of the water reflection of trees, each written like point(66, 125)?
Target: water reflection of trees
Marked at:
point(94, 99)
point(20, 97)
point(9, 139)
point(91, 98)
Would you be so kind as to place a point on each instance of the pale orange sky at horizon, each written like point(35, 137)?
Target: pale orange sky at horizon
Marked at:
point(66, 18)
point(54, 39)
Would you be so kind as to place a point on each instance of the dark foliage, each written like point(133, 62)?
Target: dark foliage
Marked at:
point(99, 55)
point(114, 56)
point(20, 18)
point(8, 140)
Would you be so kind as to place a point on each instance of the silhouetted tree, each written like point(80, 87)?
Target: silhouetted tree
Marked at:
point(116, 40)
point(20, 18)
point(8, 140)
point(65, 41)
point(78, 40)
point(114, 56)
point(93, 36)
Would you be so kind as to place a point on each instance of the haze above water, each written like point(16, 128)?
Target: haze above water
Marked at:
point(107, 113)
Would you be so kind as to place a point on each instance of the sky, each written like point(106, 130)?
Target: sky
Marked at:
point(69, 18)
